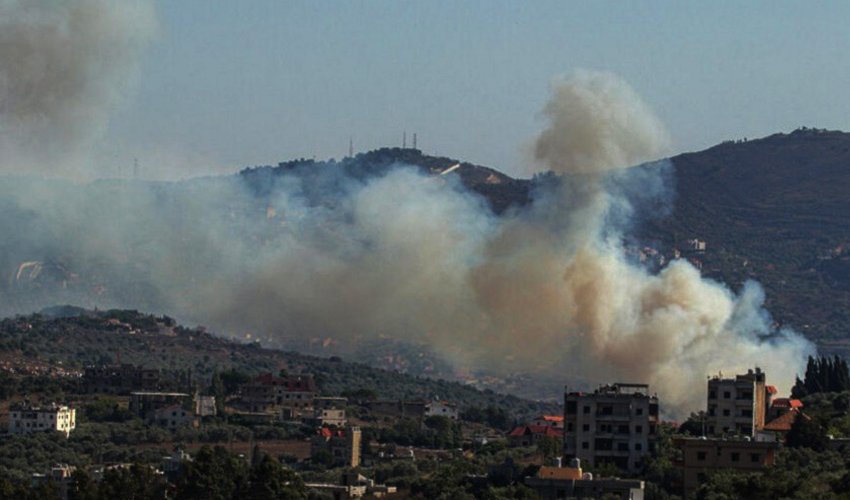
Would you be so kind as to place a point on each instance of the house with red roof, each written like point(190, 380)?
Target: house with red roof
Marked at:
point(530, 435)
point(556, 421)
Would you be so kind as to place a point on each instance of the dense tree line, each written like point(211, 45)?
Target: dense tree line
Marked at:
point(823, 374)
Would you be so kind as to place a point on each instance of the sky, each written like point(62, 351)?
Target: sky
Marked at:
point(225, 85)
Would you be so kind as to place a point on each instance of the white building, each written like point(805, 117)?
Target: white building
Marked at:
point(26, 419)
point(442, 409)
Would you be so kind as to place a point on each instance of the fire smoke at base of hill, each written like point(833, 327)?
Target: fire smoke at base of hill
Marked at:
point(545, 288)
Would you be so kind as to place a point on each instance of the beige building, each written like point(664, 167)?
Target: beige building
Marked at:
point(326, 418)
point(700, 456)
point(553, 483)
point(737, 405)
point(615, 424)
point(26, 419)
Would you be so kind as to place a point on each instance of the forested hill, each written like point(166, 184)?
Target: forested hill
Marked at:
point(776, 210)
point(66, 339)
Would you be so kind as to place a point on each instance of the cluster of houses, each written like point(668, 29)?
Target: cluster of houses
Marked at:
point(742, 426)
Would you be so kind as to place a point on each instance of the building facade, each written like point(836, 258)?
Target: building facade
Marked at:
point(737, 405)
point(615, 424)
point(26, 419)
point(701, 456)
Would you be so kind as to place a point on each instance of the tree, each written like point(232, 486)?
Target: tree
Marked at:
point(213, 474)
point(271, 480)
point(806, 433)
point(138, 482)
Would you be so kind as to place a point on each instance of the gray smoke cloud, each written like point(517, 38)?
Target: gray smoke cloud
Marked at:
point(319, 251)
point(63, 68)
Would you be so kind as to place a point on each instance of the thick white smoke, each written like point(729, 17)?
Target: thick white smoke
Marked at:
point(63, 68)
point(319, 252)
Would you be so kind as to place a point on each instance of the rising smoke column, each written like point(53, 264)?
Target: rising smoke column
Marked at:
point(63, 68)
point(545, 289)
point(560, 281)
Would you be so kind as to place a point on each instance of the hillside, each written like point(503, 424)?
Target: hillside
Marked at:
point(775, 210)
point(42, 344)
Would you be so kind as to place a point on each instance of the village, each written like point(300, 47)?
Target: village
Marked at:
point(598, 446)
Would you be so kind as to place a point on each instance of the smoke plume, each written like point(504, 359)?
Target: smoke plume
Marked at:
point(63, 68)
point(343, 252)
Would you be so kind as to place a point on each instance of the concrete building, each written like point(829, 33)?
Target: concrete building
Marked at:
point(558, 482)
point(326, 418)
point(144, 404)
point(173, 416)
point(329, 403)
point(700, 456)
point(738, 405)
point(615, 424)
point(441, 409)
point(205, 406)
point(26, 419)
point(119, 379)
point(268, 393)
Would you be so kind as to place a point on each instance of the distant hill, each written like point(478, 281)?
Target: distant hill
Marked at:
point(775, 210)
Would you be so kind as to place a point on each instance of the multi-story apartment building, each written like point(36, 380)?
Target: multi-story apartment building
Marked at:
point(738, 405)
point(268, 393)
point(26, 419)
point(615, 424)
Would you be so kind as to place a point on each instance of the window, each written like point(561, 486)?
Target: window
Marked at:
point(585, 445)
point(622, 446)
point(586, 410)
point(638, 446)
point(712, 394)
point(638, 429)
point(569, 427)
point(736, 457)
point(726, 412)
point(585, 428)
point(638, 411)
point(747, 413)
point(701, 455)
point(755, 457)
point(726, 395)
point(571, 408)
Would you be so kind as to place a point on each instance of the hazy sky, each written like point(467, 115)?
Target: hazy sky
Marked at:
point(230, 84)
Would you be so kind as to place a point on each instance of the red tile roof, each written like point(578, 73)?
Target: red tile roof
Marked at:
point(787, 403)
point(784, 422)
point(771, 389)
point(553, 418)
point(545, 430)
